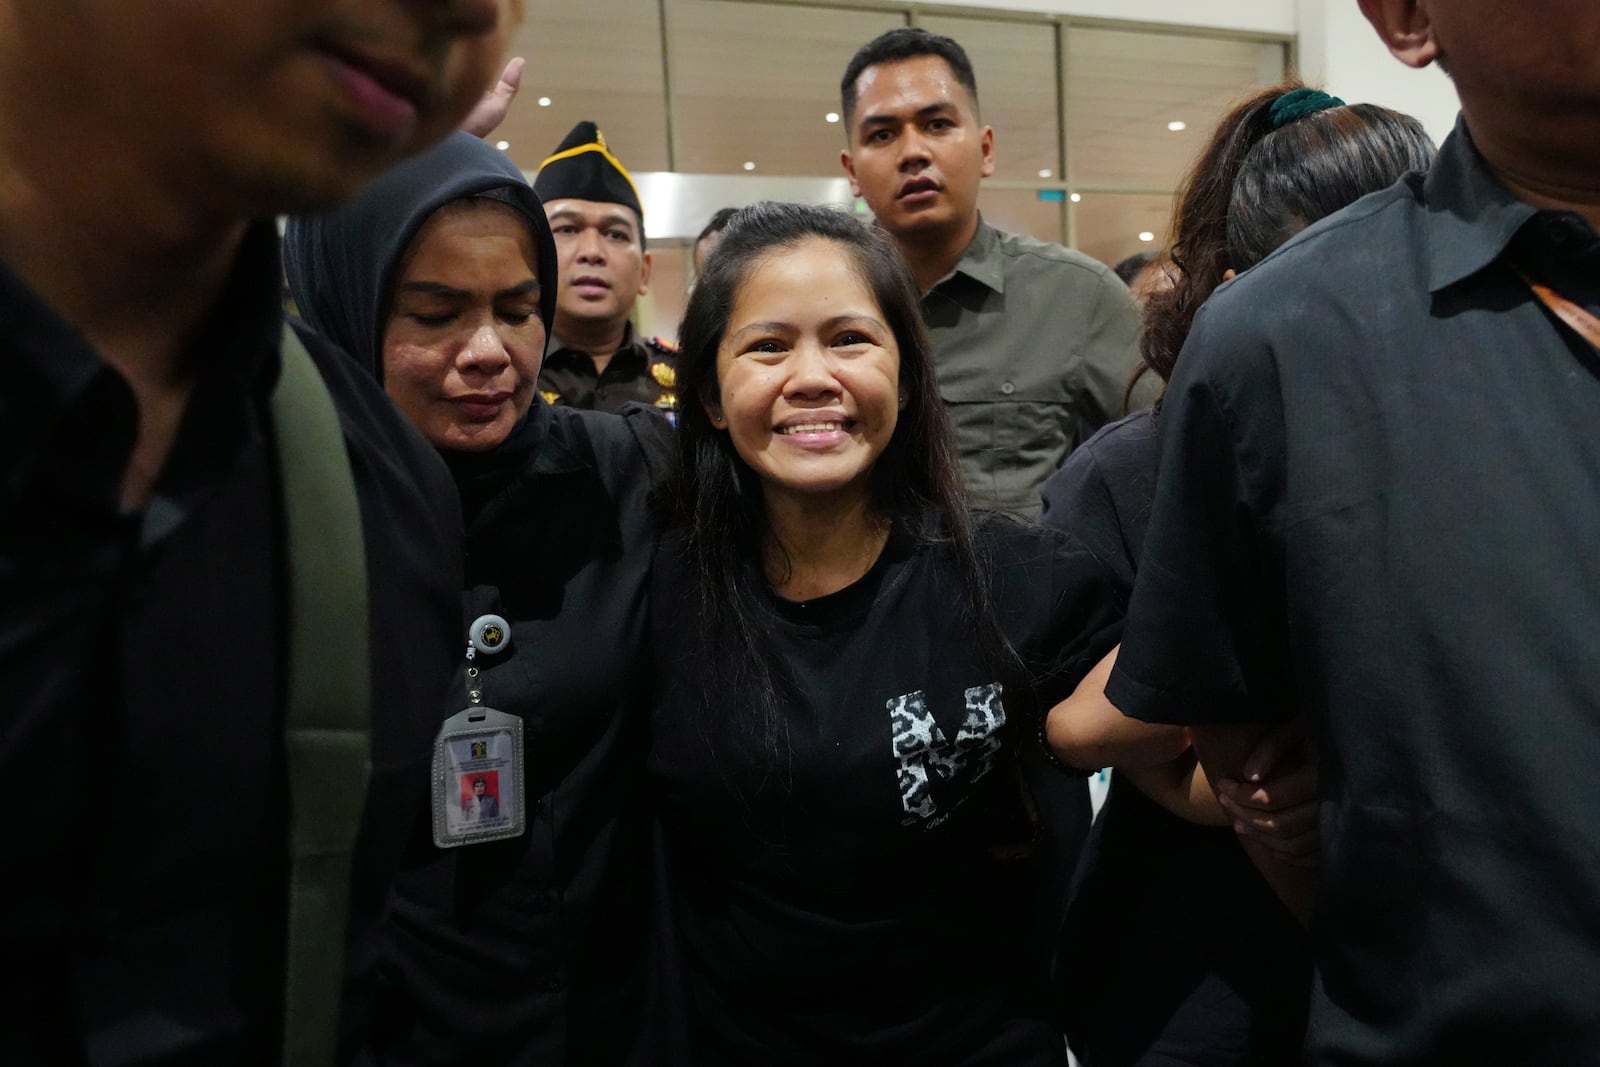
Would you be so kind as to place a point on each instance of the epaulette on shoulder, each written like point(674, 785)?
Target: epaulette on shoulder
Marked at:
point(662, 346)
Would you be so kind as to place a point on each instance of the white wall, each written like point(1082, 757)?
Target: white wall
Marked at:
point(1337, 48)
point(1267, 16)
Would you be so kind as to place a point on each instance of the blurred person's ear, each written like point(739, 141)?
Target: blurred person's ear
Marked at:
point(1404, 28)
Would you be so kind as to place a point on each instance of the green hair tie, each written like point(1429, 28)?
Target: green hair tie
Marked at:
point(1298, 103)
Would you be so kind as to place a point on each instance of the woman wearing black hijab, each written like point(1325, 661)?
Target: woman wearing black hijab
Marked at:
point(441, 278)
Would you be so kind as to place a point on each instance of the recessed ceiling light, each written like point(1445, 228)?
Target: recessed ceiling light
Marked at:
point(1147, 237)
point(1046, 172)
point(502, 145)
point(748, 165)
point(832, 116)
point(1075, 197)
point(544, 101)
point(1177, 126)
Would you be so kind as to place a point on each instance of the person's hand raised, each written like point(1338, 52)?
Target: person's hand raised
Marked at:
point(490, 111)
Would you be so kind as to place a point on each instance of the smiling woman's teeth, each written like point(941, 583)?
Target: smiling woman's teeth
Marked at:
point(813, 427)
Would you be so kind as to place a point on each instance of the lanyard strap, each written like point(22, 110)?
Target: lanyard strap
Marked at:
point(327, 729)
point(1583, 323)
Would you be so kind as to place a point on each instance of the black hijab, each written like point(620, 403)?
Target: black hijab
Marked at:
point(341, 265)
point(341, 268)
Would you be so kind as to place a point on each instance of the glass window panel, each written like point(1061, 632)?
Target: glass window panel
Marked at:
point(1124, 87)
point(754, 82)
point(592, 59)
point(1108, 225)
point(1021, 211)
point(1015, 66)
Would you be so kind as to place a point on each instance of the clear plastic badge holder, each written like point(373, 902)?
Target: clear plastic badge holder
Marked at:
point(477, 760)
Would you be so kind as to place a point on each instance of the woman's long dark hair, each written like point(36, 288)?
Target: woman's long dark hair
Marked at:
point(718, 500)
point(1259, 182)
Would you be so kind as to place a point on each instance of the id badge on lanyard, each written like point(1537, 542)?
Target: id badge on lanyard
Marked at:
point(477, 758)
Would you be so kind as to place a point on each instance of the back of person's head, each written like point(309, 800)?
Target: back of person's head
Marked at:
point(1129, 268)
point(711, 236)
point(1281, 160)
point(901, 44)
point(718, 223)
point(917, 468)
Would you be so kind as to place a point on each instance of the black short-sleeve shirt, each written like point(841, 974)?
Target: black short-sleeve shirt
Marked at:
point(1379, 478)
point(854, 895)
point(1174, 946)
point(142, 686)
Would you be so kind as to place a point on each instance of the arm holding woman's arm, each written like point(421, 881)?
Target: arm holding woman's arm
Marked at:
point(1274, 802)
point(1087, 732)
point(1226, 753)
point(1181, 787)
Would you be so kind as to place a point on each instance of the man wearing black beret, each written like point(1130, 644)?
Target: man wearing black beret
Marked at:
point(596, 359)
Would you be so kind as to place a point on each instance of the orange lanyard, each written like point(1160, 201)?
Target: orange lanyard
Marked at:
point(1586, 325)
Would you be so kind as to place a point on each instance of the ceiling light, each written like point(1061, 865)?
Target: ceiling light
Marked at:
point(1046, 172)
point(832, 116)
point(1147, 236)
point(1177, 126)
point(1075, 197)
point(502, 145)
point(748, 165)
point(544, 101)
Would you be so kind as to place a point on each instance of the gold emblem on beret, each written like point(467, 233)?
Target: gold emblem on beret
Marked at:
point(665, 375)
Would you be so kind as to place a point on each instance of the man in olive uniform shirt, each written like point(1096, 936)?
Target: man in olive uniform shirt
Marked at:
point(1034, 343)
point(596, 360)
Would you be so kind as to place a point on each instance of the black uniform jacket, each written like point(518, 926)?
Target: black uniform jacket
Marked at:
point(532, 950)
point(643, 370)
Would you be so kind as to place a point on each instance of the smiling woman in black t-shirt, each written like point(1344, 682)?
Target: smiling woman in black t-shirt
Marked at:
point(847, 664)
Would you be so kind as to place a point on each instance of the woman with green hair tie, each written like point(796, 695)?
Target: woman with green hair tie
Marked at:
point(1177, 952)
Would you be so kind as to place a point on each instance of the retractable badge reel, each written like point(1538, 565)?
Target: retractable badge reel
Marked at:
point(477, 758)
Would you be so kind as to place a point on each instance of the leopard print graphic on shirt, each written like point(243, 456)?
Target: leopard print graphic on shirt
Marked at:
point(925, 756)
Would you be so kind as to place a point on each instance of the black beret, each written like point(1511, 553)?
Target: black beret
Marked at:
point(583, 168)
